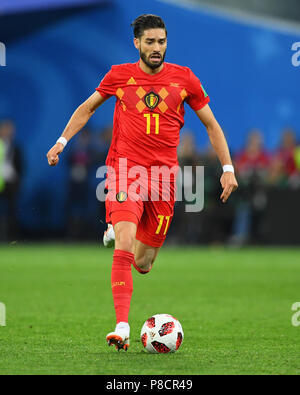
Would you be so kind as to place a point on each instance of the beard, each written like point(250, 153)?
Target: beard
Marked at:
point(149, 63)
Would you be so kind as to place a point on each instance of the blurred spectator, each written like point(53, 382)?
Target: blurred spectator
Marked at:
point(253, 159)
point(287, 150)
point(213, 224)
point(277, 176)
point(101, 144)
point(297, 158)
point(216, 217)
point(79, 159)
point(10, 177)
point(187, 149)
point(185, 227)
point(252, 166)
point(100, 147)
point(283, 170)
point(86, 213)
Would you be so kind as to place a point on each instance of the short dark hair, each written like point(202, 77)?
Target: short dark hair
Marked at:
point(145, 22)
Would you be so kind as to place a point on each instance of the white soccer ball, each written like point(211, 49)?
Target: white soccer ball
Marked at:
point(162, 333)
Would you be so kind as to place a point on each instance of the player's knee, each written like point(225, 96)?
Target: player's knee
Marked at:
point(125, 241)
point(145, 263)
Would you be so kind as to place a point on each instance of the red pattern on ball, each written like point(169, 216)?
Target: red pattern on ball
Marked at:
point(166, 328)
point(144, 339)
point(179, 340)
point(160, 347)
point(151, 322)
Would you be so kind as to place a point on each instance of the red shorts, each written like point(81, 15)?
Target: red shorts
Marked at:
point(150, 205)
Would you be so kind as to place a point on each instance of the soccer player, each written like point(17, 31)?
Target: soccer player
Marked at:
point(149, 114)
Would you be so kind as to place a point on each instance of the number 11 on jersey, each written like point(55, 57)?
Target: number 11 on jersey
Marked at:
point(156, 116)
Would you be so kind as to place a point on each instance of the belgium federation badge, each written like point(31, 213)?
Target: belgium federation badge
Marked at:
point(121, 197)
point(151, 100)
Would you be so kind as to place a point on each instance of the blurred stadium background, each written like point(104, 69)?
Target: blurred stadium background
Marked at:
point(57, 53)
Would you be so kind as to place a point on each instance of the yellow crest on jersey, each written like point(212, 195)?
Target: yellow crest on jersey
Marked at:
point(151, 100)
point(121, 197)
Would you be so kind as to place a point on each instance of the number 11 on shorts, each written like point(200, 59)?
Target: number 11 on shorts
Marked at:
point(161, 221)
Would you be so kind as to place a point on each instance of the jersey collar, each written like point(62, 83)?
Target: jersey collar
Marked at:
point(151, 75)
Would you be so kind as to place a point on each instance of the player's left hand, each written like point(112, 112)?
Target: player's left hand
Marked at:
point(229, 185)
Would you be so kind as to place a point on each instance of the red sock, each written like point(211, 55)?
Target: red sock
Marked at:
point(138, 269)
point(121, 282)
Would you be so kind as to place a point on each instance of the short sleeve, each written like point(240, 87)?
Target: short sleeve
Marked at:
point(197, 97)
point(107, 87)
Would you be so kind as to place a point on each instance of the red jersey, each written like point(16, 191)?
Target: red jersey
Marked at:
point(149, 111)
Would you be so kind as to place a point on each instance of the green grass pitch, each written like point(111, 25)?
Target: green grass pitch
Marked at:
point(234, 306)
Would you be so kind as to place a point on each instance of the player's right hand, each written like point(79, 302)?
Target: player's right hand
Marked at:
point(52, 155)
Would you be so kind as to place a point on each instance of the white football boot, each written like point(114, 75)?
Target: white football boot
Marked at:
point(120, 337)
point(109, 237)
